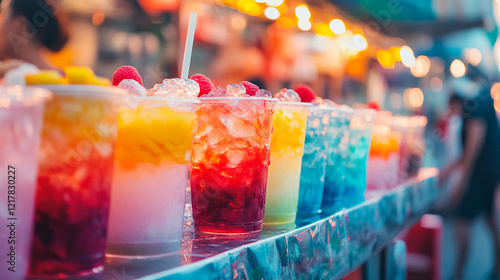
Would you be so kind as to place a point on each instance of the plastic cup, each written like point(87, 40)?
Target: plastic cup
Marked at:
point(379, 175)
point(287, 148)
point(338, 149)
point(74, 181)
point(229, 165)
point(357, 161)
point(21, 113)
point(312, 175)
point(412, 145)
point(153, 149)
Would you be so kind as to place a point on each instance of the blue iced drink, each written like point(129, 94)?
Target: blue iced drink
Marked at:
point(360, 134)
point(312, 176)
point(338, 150)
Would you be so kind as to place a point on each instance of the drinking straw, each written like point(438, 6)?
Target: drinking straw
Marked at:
point(188, 49)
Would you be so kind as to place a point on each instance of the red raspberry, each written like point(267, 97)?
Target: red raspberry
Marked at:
point(373, 105)
point(205, 84)
point(126, 72)
point(250, 88)
point(306, 93)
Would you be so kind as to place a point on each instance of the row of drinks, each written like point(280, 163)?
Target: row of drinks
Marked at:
point(248, 159)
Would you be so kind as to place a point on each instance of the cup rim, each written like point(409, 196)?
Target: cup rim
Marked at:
point(298, 104)
point(26, 96)
point(232, 98)
point(371, 112)
point(163, 98)
point(84, 90)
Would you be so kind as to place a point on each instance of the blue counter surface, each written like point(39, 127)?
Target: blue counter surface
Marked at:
point(329, 248)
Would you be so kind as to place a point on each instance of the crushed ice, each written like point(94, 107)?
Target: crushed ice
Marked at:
point(287, 95)
point(176, 88)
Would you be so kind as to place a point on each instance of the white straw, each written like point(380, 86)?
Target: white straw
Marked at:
point(188, 49)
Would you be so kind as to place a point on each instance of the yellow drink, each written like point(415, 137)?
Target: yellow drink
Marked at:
point(287, 148)
point(153, 148)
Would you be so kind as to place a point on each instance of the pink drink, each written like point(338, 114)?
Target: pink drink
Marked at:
point(21, 113)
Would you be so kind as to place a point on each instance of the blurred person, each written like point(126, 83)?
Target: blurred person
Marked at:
point(479, 164)
point(27, 29)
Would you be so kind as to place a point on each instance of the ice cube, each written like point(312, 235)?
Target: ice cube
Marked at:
point(236, 90)
point(263, 93)
point(235, 157)
point(216, 92)
point(287, 95)
point(176, 88)
point(320, 102)
point(238, 127)
point(133, 87)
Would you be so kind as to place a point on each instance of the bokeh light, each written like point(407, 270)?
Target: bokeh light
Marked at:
point(337, 26)
point(272, 13)
point(304, 24)
point(385, 59)
point(457, 68)
point(473, 56)
point(436, 84)
point(495, 91)
point(359, 42)
point(302, 12)
point(274, 3)
point(238, 22)
point(414, 98)
point(407, 56)
point(421, 67)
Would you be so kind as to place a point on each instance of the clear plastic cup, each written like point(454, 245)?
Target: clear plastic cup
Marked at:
point(153, 149)
point(412, 145)
point(382, 148)
point(74, 181)
point(312, 175)
point(338, 149)
point(21, 113)
point(229, 164)
point(287, 148)
point(357, 161)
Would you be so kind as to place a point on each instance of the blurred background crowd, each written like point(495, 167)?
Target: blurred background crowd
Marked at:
point(425, 57)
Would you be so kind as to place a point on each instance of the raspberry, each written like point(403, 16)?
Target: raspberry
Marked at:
point(251, 88)
point(205, 84)
point(373, 105)
point(306, 93)
point(126, 72)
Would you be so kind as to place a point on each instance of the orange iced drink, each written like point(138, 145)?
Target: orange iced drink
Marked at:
point(153, 149)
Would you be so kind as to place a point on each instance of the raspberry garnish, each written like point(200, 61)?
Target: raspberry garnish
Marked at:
point(306, 93)
point(126, 72)
point(205, 84)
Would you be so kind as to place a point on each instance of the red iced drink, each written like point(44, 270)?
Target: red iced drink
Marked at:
point(74, 180)
point(229, 163)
